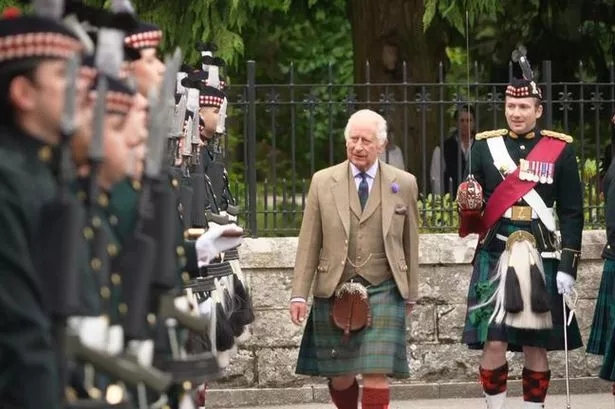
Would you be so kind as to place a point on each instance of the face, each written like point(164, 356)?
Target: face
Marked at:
point(522, 114)
point(465, 124)
point(210, 116)
point(148, 71)
point(362, 145)
point(82, 138)
point(116, 151)
point(136, 122)
point(44, 96)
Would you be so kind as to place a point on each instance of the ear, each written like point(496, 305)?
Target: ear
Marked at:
point(538, 111)
point(21, 94)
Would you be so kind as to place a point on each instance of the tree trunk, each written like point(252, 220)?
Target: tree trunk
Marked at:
point(386, 33)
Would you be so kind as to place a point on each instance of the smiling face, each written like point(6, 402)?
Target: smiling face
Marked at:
point(522, 114)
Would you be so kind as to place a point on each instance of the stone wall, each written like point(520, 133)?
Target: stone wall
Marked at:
point(267, 360)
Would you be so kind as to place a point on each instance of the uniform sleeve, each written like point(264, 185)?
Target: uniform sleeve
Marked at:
point(476, 168)
point(27, 360)
point(569, 205)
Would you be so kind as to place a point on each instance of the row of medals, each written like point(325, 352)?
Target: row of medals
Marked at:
point(535, 171)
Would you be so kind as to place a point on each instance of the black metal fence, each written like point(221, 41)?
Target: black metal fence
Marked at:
point(280, 134)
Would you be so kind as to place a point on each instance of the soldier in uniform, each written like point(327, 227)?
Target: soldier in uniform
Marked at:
point(522, 171)
point(32, 88)
point(371, 209)
point(602, 336)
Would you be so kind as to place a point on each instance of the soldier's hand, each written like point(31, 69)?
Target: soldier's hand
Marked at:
point(298, 309)
point(565, 283)
point(216, 240)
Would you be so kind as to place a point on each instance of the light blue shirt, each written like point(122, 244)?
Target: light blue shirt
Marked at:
point(371, 175)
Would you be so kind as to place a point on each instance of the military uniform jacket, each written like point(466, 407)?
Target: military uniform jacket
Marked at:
point(26, 353)
point(565, 191)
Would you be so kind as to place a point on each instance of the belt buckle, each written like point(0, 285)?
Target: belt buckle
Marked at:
point(521, 213)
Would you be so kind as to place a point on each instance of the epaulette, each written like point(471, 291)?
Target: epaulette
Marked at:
point(490, 134)
point(558, 135)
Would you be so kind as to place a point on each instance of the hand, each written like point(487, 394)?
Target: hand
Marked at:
point(298, 309)
point(409, 308)
point(565, 283)
point(216, 240)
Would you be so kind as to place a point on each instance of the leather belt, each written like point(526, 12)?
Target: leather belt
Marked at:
point(522, 213)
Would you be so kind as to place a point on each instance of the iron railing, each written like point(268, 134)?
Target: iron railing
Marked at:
point(283, 133)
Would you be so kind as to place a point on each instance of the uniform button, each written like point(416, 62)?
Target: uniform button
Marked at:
point(44, 154)
point(175, 183)
point(522, 147)
point(113, 219)
point(112, 250)
point(187, 385)
point(105, 293)
point(343, 262)
point(88, 233)
point(96, 264)
point(185, 276)
point(96, 222)
point(116, 279)
point(103, 200)
point(359, 258)
point(151, 319)
point(345, 241)
point(122, 308)
point(136, 185)
point(180, 251)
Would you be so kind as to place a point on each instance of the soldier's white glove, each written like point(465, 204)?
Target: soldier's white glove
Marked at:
point(216, 240)
point(565, 283)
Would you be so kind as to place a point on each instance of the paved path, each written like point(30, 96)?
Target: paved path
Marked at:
point(601, 401)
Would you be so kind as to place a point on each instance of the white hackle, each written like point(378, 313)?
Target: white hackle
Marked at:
point(221, 126)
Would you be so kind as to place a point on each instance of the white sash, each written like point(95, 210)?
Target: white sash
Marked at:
point(502, 159)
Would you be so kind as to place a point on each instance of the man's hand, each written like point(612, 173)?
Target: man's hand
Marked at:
point(409, 308)
point(298, 309)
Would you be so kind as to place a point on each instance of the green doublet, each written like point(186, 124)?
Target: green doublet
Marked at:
point(26, 350)
point(122, 209)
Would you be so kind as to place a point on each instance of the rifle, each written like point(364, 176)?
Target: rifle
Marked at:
point(58, 238)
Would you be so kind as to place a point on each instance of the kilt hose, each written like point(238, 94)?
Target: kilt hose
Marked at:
point(604, 314)
point(477, 329)
point(378, 349)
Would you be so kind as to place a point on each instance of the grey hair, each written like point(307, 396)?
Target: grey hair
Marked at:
point(368, 116)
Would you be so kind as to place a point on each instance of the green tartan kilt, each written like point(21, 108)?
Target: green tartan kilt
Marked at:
point(477, 329)
point(607, 371)
point(378, 349)
point(604, 314)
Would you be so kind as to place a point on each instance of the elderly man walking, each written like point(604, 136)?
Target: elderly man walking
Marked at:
point(359, 245)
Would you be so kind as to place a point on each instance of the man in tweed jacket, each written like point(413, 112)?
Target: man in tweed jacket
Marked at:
point(360, 223)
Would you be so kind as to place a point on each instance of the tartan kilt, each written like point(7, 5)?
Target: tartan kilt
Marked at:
point(607, 371)
point(604, 314)
point(477, 329)
point(378, 349)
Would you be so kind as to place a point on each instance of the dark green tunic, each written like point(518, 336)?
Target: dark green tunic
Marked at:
point(566, 194)
point(28, 372)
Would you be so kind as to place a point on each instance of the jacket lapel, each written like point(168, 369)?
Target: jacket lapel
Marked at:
point(387, 196)
point(340, 194)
